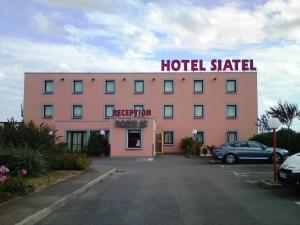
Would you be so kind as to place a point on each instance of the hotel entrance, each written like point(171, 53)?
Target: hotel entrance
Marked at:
point(159, 145)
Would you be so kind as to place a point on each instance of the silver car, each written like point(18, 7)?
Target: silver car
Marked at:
point(247, 150)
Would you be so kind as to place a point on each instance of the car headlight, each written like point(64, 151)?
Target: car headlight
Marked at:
point(296, 169)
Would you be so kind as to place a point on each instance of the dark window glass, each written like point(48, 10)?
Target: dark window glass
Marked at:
point(49, 86)
point(77, 111)
point(198, 86)
point(168, 86)
point(232, 136)
point(110, 86)
point(200, 136)
point(198, 111)
point(48, 111)
point(168, 111)
point(109, 111)
point(168, 138)
point(139, 86)
point(231, 86)
point(231, 111)
point(76, 140)
point(77, 86)
point(134, 138)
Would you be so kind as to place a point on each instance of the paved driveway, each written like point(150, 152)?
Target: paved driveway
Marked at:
point(179, 190)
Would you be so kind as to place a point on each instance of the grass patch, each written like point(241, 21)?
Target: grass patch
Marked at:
point(51, 178)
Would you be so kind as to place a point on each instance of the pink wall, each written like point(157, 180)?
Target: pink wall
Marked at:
point(214, 124)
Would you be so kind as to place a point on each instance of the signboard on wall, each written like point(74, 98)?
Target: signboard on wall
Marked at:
point(131, 123)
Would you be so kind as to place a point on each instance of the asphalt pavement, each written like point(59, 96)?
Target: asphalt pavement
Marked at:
point(173, 189)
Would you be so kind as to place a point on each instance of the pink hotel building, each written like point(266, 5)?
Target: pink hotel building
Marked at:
point(143, 113)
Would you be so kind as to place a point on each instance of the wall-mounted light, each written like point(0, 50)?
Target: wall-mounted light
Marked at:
point(153, 79)
point(62, 79)
point(124, 79)
point(183, 78)
point(93, 79)
point(215, 78)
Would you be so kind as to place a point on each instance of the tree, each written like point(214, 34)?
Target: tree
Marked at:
point(262, 123)
point(285, 112)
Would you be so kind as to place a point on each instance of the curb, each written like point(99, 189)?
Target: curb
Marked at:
point(38, 216)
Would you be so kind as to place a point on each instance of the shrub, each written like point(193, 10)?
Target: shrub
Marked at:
point(285, 138)
point(14, 186)
point(27, 134)
point(70, 161)
point(17, 159)
point(94, 146)
point(187, 144)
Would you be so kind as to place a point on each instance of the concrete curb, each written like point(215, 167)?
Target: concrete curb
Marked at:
point(38, 216)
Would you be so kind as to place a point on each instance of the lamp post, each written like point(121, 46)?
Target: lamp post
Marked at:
point(102, 133)
point(194, 133)
point(273, 123)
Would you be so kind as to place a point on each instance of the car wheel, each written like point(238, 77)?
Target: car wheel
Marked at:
point(230, 158)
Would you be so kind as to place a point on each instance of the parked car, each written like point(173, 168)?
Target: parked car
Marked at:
point(247, 150)
point(289, 171)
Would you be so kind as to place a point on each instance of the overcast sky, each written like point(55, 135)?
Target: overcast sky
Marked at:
point(134, 35)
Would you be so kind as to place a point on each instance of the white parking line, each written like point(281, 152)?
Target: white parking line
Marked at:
point(252, 181)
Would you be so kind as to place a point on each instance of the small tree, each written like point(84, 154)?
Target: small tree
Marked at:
point(262, 123)
point(285, 112)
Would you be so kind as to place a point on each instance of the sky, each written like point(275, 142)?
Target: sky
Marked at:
point(135, 35)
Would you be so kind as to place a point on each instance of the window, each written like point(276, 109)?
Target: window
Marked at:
point(110, 86)
point(109, 111)
point(168, 86)
point(134, 139)
point(200, 137)
point(76, 140)
point(232, 136)
point(231, 86)
point(198, 111)
point(48, 86)
point(253, 144)
point(168, 138)
point(138, 86)
point(77, 86)
point(168, 111)
point(231, 111)
point(198, 86)
point(77, 111)
point(138, 107)
point(48, 111)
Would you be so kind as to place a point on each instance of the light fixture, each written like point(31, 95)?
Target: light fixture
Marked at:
point(124, 79)
point(215, 78)
point(62, 79)
point(93, 79)
point(183, 78)
point(273, 123)
point(102, 132)
point(153, 79)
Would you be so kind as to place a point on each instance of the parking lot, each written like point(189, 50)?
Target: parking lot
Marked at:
point(173, 189)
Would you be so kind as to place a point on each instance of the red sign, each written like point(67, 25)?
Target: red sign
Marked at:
point(215, 65)
point(132, 112)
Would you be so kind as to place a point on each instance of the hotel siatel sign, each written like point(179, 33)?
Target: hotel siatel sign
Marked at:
point(131, 118)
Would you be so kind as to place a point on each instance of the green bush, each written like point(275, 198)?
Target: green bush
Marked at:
point(27, 134)
point(187, 144)
point(24, 158)
point(14, 186)
point(94, 146)
point(285, 138)
point(70, 161)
